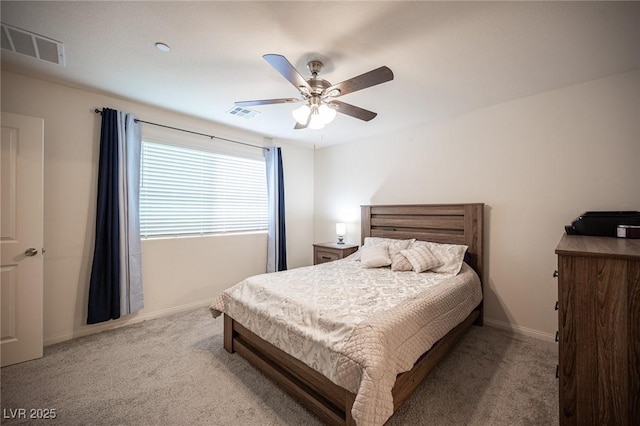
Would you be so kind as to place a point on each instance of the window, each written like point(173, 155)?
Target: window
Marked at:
point(186, 191)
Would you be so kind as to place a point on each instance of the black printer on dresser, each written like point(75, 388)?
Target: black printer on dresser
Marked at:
point(606, 224)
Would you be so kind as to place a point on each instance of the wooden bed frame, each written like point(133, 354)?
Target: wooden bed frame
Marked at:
point(442, 223)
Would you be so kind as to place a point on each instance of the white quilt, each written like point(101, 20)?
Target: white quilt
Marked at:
point(358, 327)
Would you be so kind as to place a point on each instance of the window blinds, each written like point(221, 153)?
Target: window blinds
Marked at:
point(185, 191)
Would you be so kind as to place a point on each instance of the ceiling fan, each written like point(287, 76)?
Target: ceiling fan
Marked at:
point(319, 95)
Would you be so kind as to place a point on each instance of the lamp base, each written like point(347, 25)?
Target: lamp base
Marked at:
point(340, 239)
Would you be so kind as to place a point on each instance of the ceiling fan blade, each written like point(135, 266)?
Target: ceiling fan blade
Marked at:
point(368, 79)
point(268, 102)
point(354, 111)
point(284, 67)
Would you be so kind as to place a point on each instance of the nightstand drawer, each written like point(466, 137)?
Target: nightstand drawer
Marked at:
point(328, 252)
point(323, 256)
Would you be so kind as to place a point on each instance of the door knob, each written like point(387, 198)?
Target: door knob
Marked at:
point(30, 252)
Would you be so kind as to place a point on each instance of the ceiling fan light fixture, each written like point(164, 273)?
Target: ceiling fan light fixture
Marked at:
point(301, 115)
point(313, 116)
point(327, 113)
point(316, 122)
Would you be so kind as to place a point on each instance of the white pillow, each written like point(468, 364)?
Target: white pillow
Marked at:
point(370, 242)
point(398, 261)
point(375, 256)
point(376, 241)
point(421, 258)
point(451, 255)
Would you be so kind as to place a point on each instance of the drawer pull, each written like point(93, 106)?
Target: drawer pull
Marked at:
point(555, 274)
point(557, 335)
point(326, 257)
point(556, 305)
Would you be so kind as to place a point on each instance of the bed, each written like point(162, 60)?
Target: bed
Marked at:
point(316, 387)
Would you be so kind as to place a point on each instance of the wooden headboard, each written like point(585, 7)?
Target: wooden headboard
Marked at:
point(440, 223)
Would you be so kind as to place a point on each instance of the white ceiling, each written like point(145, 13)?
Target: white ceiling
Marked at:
point(448, 57)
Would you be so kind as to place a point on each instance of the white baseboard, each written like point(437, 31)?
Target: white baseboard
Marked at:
point(520, 330)
point(121, 322)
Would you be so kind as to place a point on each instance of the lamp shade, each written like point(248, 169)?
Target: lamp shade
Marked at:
point(316, 121)
point(341, 228)
point(313, 115)
point(301, 115)
point(327, 113)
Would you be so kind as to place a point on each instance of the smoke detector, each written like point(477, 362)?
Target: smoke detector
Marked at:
point(31, 44)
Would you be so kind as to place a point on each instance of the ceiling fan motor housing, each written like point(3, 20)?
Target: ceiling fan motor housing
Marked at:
point(316, 83)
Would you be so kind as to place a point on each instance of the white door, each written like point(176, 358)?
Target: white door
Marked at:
point(21, 237)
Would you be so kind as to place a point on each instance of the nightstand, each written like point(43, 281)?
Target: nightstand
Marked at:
point(326, 252)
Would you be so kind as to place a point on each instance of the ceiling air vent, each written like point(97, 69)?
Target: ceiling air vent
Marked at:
point(30, 44)
point(243, 112)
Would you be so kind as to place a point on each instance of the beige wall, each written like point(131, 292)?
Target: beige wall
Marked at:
point(178, 273)
point(536, 162)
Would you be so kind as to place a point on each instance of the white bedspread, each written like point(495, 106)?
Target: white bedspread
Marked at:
point(358, 327)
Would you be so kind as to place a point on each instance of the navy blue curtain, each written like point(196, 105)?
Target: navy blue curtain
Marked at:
point(277, 236)
point(282, 234)
point(104, 288)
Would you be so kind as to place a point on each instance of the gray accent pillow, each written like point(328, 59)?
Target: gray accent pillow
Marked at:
point(398, 261)
point(421, 258)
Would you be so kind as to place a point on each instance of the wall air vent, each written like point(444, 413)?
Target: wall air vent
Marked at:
point(243, 112)
point(31, 44)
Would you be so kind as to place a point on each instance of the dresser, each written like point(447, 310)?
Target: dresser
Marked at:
point(327, 252)
point(599, 330)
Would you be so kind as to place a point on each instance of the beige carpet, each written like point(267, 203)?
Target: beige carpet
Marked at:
point(173, 371)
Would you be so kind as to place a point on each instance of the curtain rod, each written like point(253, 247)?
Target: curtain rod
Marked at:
point(99, 111)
